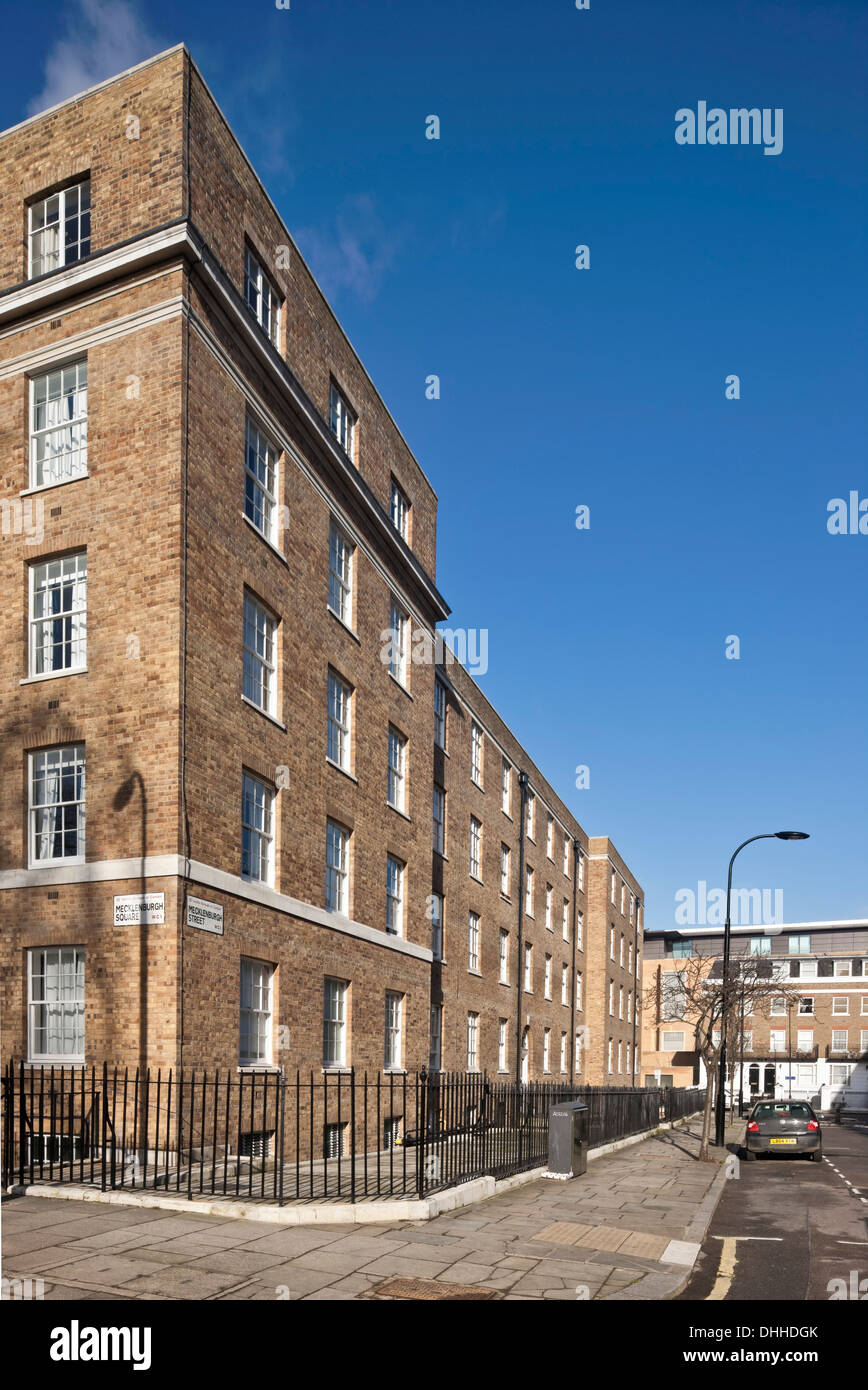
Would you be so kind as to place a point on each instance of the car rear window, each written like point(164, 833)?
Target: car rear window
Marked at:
point(797, 1109)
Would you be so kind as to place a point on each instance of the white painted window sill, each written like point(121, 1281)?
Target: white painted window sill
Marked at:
point(54, 675)
point(48, 487)
point(262, 536)
point(264, 712)
point(346, 627)
point(344, 771)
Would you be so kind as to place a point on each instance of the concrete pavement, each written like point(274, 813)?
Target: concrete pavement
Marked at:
point(630, 1228)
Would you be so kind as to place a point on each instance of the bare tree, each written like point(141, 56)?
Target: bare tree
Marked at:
point(693, 994)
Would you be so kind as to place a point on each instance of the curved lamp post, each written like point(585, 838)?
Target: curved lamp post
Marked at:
point(720, 1109)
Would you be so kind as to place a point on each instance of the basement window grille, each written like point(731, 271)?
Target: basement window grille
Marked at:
point(255, 1144)
point(333, 1140)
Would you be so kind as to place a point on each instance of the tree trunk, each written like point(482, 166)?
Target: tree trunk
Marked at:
point(707, 1112)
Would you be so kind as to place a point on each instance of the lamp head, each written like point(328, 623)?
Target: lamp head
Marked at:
point(791, 835)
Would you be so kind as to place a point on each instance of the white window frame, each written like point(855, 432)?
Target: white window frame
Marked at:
point(257, 829)
point(502, 1025)
point(579, 1004)
point(547, 978)
point(62, 581)
point(339, 722)
point(842, 969)
point(396, 789)
point(549, 925)
point(581, 883)
point(472, 1041)
point(566, 856)
point(337, 891)
point(504, 869)
point(341, 566)
point(343, 421)
point(672, 1040)
point(399, 510)
point(550, 837)
point(563, 1052)
point(801, 1045)
point(334, 1046)
point(531, 815)
point(399, 639)
point(60, 763)
point(505, 786)
point(64, 215)
point(799, 945)
point(259, 643)
point(473, 942)
point(777, 1040)
point(69, 990)
point(476, 745)
point(395, 871)
point(528, 968)
point(565, 920)
point(262, 297)
point(840, 1006)
point(528, 892)
point(58, 421)
point(256, 1004)
point(565, 984)
point(261, 481)
point(393, 1051)
point(547, 1044)
point(840, 1033)
point(475, 848)
point(503, 957)
point(580, 930)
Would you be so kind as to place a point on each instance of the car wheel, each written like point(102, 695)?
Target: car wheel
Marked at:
point(816, 1156)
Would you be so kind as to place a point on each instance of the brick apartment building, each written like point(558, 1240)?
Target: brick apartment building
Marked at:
point(810, 1042)
point(216, 840)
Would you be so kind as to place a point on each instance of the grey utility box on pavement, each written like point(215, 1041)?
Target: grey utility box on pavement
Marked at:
point(568, 1138)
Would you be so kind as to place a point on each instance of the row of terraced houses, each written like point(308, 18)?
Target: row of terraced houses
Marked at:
point(254, 815)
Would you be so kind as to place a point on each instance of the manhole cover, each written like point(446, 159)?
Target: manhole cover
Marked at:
point(430, 1289)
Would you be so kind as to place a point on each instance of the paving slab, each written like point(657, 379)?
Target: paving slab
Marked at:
point(617, 1232)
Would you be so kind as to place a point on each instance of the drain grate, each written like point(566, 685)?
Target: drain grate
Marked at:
point(428, 1289)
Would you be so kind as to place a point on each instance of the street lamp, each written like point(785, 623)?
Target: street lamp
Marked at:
point(720, 1110)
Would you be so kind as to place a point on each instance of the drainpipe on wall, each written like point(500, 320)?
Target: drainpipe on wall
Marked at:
point(523, 784)
point(577, 849)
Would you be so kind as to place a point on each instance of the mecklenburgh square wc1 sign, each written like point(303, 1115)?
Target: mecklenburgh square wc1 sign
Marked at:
point(134, 910)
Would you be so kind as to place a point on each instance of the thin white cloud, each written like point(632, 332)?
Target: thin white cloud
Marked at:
point(103, 37)
point(354, 253)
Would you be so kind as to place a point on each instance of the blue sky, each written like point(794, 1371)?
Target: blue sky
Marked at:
point(602, 387)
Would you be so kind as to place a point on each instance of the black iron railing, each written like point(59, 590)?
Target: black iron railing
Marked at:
point(267, 1136)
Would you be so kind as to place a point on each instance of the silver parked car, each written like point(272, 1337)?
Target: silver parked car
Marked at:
point(789, 1128)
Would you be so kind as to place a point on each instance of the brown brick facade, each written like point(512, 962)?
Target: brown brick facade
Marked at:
point(176, 367)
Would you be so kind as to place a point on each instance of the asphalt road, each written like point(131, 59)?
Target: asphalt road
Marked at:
point(784, 1228)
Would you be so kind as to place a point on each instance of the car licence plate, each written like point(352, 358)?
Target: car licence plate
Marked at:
point(782, 1141)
